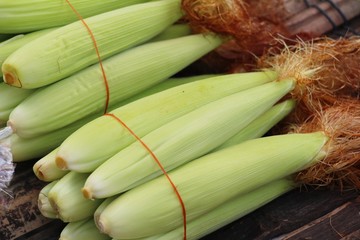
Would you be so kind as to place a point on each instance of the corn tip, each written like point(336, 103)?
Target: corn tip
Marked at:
point(87, 193)
point(61, 163)
point(12, 79)
point(101, 224)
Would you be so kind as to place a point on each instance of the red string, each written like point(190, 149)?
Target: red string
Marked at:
point(123, 123)
point(98, 55)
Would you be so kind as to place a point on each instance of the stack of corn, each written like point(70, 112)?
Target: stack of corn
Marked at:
point(128, 152)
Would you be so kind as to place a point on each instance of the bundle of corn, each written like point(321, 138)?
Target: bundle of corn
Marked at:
point(125, 74)
point(187, 138)
point(137, 142)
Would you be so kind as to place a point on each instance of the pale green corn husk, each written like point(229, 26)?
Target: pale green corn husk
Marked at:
point(9, 46)
point(52, 57)
point(10, 97)
point(24, 149)
point(128, 73)
point(66, 198)
point(228, 212)
point(208, 182)
point(44, 205)
point(102, 206)
point(25, 16)
point(145, 115)
point(183, 139)
point(261, 125)
point(174, 31)
point(45, 168)
point(82, 230)
point(170, 83)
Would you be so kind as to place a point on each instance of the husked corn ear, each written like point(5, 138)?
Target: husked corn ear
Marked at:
point(25, 16)
point(208, 182)
point(183, 139)
point(106, 136)
point(69, 49)
point(128, 73)
point(66, 198)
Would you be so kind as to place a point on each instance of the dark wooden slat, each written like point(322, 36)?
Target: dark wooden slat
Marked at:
point(340, 222)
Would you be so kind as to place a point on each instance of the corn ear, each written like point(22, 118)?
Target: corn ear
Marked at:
point(45, 168)
point(229, 211)
point(85, 229)
point(66, 198)
point(78, 96)
point(11, 45)
point(261, 125)
point(102, 207)
point(165, 85)
point(24, 149)
point(145, 115)
point(44, 205)
point(207, 183)
point(23, 16)
point(183, 139)
point(10, 97)
point(51, 57)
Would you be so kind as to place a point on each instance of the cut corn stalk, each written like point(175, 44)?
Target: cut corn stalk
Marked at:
point(78, 96)
point(10, 97)
point(207, 183)
point(45, 168)
point(106, 136)
point(66, 198)
point(51, 57)
point(9, 46)
point(261, 125)
point(85, 229)
point(228, 212)
point(183, 139)
point(44, 205)
point(24, 16)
